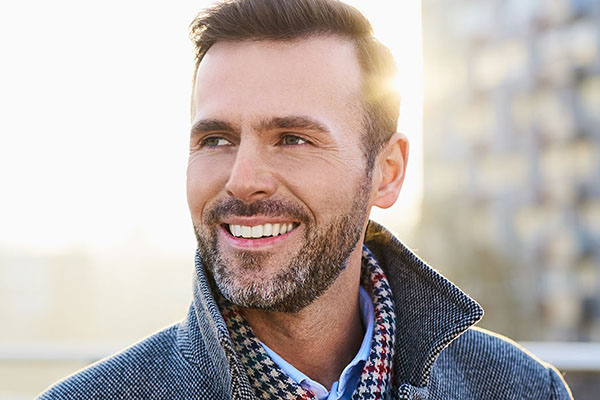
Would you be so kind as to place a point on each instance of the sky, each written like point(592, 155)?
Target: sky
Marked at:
point(94, 98)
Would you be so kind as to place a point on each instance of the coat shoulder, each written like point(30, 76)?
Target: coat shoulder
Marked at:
point(483, 363)
point(154, 368)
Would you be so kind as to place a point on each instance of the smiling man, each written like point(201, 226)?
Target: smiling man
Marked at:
point(297, 295)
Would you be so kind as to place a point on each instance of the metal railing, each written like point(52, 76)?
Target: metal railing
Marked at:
point(571, 356)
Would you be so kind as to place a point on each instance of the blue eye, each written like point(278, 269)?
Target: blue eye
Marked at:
point(215, 141)
point(291, 140)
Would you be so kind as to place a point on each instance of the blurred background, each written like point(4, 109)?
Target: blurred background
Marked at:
point(501, 103)
point(511, 168)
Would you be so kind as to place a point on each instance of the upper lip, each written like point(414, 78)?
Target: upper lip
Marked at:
point(256, 220)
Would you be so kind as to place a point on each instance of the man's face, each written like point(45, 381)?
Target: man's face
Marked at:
point(275, 146)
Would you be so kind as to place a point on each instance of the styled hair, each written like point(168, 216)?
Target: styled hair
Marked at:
point(283, 20)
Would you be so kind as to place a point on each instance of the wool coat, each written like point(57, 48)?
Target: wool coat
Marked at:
point(438, 353)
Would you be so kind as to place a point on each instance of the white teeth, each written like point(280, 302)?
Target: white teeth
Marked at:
point(258, 231)
point(246, 231)
point(267, 229)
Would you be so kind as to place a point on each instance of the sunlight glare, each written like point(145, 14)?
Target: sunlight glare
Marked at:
point(397, 24)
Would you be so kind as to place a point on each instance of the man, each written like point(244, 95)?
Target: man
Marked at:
point(297, 295)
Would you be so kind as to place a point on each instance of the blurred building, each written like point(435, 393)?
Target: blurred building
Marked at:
point(512, 160)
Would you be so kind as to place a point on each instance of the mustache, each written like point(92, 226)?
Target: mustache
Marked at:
point(230, 207)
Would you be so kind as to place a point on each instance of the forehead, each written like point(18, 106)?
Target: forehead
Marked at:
point(318, 76)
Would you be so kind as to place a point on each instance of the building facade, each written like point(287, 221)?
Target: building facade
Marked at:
point(512, 160)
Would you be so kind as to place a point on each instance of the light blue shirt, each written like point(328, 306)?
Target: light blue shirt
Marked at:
point(345, 385)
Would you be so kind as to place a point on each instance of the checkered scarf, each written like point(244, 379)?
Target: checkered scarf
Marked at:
point(270, 382)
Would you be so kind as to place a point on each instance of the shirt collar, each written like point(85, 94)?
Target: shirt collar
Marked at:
point(349, 372)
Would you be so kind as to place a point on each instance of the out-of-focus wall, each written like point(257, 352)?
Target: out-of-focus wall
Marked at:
point(511, 206)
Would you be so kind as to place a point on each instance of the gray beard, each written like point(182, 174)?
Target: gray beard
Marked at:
point(308, 274)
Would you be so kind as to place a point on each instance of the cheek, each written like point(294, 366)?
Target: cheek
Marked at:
point(326, 186)
point(204, 182)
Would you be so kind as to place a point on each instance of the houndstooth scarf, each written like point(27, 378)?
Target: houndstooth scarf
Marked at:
point(270, 382)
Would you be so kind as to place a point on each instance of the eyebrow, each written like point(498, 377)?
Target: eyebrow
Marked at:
point(267, 124)
point(211, 125)
point(291, 122)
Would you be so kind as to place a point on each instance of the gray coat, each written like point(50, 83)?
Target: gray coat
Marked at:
point(438, 354)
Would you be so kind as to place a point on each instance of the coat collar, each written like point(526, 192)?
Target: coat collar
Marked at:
point(430, 313)
point(430, 310)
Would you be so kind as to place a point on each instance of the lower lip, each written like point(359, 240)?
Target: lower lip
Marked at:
point(258, 243)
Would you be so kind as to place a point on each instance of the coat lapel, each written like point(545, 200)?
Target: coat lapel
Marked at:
point(430, 311)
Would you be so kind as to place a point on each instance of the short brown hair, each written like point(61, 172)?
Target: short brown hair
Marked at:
point(239, 20)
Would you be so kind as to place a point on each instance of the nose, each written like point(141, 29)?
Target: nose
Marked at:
point(250, 178)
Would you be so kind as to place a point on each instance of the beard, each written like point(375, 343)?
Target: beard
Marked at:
point(308, 273)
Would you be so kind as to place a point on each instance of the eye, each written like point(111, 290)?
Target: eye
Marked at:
point(292, 140)
point(215, 141)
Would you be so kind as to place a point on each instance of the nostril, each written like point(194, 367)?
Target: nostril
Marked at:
point(248, 194)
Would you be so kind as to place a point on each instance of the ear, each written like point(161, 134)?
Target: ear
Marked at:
point(391, 166)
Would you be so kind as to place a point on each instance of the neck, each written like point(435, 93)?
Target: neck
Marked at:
point(323, 338)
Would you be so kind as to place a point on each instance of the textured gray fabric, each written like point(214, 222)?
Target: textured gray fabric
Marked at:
point(438, 354)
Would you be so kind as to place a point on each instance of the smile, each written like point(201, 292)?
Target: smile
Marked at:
point(260, 231)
